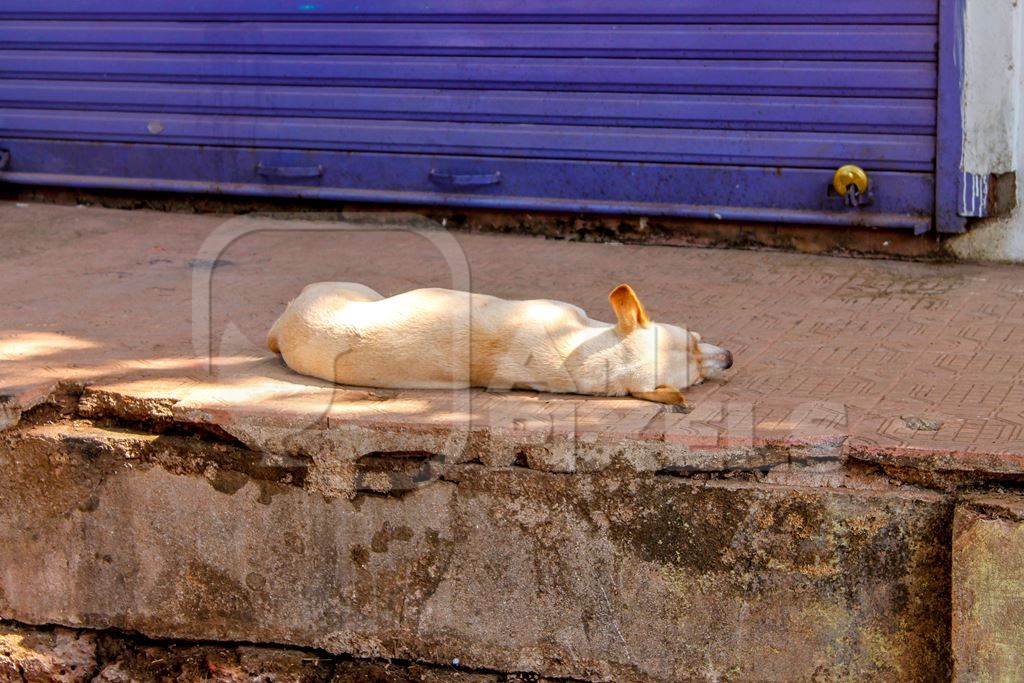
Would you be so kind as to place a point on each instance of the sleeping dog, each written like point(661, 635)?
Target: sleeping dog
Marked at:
point(440, 338)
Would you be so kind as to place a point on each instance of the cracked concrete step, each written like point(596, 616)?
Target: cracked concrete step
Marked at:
point(611, 575)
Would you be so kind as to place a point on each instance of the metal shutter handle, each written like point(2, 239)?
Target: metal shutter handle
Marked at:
point(465, 179)
point(289, 171)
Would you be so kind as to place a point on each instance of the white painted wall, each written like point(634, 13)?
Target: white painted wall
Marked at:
point(994, 120)
point(991, 85)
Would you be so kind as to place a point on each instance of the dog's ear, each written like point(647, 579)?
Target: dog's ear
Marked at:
point(667, 394)
point(628, 309)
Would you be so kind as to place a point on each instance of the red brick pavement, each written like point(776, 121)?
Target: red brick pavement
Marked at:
point(919, 364)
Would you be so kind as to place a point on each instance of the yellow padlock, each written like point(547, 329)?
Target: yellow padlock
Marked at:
point(850, 175)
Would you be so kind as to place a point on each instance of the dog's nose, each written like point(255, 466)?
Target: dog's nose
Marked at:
point(713, 359)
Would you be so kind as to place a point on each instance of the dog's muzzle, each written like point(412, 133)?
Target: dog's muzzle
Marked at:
point(713, 360)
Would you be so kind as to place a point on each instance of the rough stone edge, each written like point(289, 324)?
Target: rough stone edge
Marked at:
point(13, 406)
point(226, 465)
point(939, 468)
point(1001, 505)
point(453, 671)
point(494, 447)
point(934, 469)
point(10, 412)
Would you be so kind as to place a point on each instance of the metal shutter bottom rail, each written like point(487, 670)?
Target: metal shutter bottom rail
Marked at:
point(713, 192)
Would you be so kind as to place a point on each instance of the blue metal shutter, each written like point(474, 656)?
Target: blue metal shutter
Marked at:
point(707, 108)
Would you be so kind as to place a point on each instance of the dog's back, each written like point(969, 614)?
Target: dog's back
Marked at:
point(426, 338)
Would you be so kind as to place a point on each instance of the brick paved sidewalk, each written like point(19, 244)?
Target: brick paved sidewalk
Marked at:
point(909, 364)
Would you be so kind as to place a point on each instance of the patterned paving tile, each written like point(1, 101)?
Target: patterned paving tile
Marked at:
point(917, 362)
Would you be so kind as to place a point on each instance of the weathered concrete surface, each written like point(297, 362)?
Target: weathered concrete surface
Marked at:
point(165, 475)
point(63, 655)
point(605, 576)
point(988, 589)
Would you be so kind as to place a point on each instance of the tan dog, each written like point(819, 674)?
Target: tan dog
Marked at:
point(439, 338)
